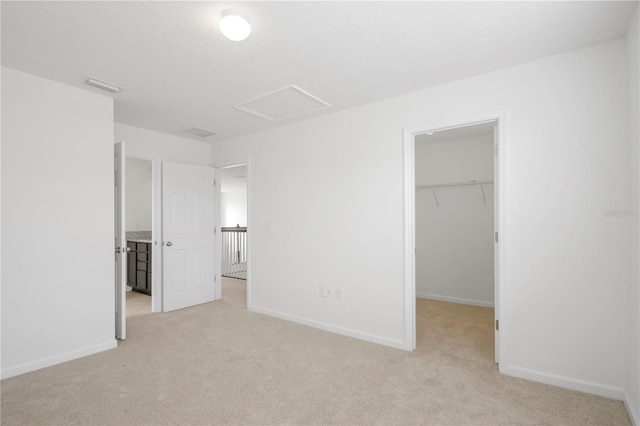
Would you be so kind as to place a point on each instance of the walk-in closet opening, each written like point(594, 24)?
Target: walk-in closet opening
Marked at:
point(455, 234)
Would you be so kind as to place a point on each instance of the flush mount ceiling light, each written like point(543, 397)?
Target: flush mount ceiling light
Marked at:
point(234, 25)
point(109, 87)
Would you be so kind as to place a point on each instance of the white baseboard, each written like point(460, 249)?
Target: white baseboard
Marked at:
point(398, 344)
point(455, 300)
point(567, 382)
point(633, 415)
point(58, 359)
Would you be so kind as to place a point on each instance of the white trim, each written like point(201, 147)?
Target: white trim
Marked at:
point(373, 338)
point(567, 382)
point(634, 416)
point(496, 224)
point(409, 224)
point(218, 223)
point(58, 359)
point(249, 233)
point(120, 230)
point(409, 242)
point(455, 300)
point(501, 190)
point(156, 231)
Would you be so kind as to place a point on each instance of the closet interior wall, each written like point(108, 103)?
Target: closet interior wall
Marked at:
point(454, 216)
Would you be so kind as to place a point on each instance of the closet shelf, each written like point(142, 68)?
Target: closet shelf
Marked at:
point(445, 185)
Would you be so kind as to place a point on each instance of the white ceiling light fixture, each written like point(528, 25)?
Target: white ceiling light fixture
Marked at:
point(234, 25)
point(109, 87)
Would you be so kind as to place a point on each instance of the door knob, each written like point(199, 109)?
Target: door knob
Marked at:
point(168, 244)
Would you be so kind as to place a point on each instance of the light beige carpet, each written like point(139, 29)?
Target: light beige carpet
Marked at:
point(137, 304)
point(220, 364)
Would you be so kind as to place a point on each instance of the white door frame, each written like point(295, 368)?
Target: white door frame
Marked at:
point(120, 158)
point(156, 231)
point(499, 213)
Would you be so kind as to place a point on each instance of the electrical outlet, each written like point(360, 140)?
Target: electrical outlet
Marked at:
point(329, 291)
point(338, 293)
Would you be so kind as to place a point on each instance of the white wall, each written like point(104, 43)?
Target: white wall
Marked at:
point(138, 194)
point(633, 372)
point(454, 236)
point(334, 215)
point(234, 208)
point(57, 223)
point(149, 145)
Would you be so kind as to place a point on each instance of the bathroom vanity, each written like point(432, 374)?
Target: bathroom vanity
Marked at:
point(139, 265)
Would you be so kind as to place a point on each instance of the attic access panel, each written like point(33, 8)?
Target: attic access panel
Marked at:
point(287, 102)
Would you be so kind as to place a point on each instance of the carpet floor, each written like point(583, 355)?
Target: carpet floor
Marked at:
point(137, 304)
point(221, 364)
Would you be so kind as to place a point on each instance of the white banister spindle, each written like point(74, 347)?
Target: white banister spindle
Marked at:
point(234, 252)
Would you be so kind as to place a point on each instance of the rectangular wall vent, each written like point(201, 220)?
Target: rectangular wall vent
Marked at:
point(109, 87)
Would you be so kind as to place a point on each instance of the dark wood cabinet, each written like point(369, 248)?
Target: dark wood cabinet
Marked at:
point(131, 264)
point(139, 266)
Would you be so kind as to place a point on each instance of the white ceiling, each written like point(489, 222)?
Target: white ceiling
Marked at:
point(177, 71)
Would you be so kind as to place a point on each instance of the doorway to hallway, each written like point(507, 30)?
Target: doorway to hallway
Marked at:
point(233, 218)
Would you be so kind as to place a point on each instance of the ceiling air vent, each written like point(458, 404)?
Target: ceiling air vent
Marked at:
point(287, 102)
point(194, 131)
point(109, 87)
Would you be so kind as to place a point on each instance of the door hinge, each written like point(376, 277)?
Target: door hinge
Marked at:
point(495, 237)
point(497, 325)
point(495, 149)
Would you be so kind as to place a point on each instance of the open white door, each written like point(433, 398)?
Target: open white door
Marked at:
point(120, 242)
point(188, 246)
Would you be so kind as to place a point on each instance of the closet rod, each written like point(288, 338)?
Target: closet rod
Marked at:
point(445, 185)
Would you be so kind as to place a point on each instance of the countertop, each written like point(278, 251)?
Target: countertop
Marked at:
point(141, 241)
